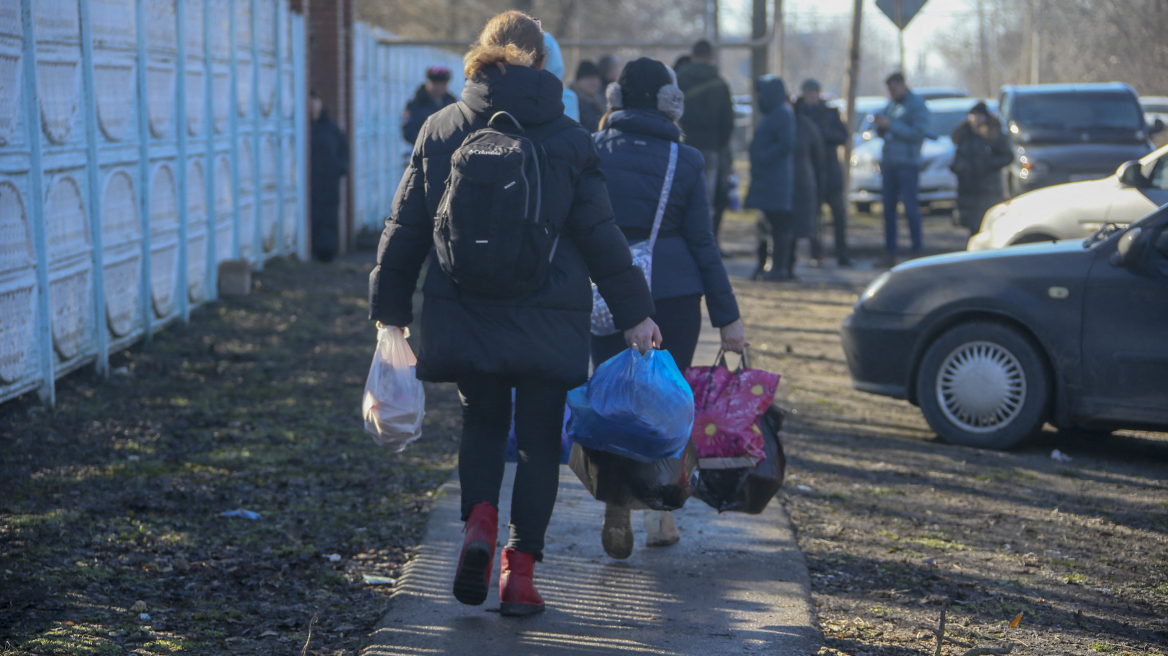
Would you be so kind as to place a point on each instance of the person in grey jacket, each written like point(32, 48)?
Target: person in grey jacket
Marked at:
point(903, 125)
point(772, 173)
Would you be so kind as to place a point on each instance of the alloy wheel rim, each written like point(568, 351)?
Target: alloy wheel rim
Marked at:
point(981, 387)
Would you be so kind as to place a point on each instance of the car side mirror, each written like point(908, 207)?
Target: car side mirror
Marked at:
point(1130, 174)
point(1128, 250)
point(1158, 126)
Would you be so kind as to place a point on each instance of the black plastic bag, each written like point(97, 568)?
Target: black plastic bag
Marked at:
point(663, 484)
point(748, 489)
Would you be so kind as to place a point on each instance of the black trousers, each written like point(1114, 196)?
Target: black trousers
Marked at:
point(680, 321)
point(839, 223)
point(782, 247)
point(486, 421)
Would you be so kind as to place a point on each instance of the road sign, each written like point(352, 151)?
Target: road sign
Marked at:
point(900, 12)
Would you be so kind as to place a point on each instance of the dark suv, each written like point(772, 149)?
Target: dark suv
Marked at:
point(1071, 132)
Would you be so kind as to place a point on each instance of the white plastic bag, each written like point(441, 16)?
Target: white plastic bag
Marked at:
point(395, 402)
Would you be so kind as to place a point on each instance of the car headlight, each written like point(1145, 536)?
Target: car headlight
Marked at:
point(874, 287)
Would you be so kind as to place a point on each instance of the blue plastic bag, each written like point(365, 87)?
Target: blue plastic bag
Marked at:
point(637, 406)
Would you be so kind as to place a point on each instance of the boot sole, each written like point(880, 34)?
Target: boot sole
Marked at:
point(617, 534)
point(518, 610)
point(470, 584)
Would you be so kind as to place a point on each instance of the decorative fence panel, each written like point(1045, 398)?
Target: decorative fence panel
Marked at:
point(385, 78)
point(142, 142)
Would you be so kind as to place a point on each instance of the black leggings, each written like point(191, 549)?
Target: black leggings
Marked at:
point(486, 420)
point(680, 321)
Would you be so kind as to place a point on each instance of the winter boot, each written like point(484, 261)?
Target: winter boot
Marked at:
point(661, 529)
point(473, 577)
point(517, 592)
point(617, 534)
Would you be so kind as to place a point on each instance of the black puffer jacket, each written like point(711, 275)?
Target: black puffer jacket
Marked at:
point(546, 333)
point(708, 120)
point(979, 157)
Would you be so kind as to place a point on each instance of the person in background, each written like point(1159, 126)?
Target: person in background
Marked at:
point(772, 176)
point(536, 344)
point(903, 124)
point(681, 62)
point(982, 151)
point(709, 118)
point(555, 65)
point(634, 147)
point(810, 185)
point(588, 89)
point(329, 163)
point(835, 134)
point(610, 69)
point(430, 97)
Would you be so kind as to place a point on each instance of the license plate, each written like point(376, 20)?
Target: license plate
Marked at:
point(1080, 177)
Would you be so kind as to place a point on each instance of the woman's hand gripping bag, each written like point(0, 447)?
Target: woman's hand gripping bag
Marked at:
point(636, 406)
point(395, 402)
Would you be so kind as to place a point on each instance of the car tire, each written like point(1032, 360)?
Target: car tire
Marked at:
point(864, 208)
point(984, 384)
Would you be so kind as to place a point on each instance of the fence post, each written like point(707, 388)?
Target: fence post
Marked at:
point(101, 334)
point(257, 140)
point(300, 116)
point(180, 72)
point(233, 130)
point(144, 288)
point(211, 290)
point(32, 124)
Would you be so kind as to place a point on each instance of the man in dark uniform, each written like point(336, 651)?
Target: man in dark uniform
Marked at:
point(708, 121)
point(430, 97)
point(834, 134)
point(330, 161)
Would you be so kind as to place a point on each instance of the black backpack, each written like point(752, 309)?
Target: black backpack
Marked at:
point(489, 235)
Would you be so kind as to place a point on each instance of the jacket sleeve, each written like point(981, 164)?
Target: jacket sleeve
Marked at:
point(834, 132)
point(412, 124)
point(699, 238)
point(1001, 155)
point(775, 138)
point(405, 242)
point(726, 115)
point(913, 124)
point(606, 253)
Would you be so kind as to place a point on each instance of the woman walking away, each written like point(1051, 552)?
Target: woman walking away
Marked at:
point(982, 152)
point(772, 175)
point(638, 138)
point(810, 187)
point(497, 316)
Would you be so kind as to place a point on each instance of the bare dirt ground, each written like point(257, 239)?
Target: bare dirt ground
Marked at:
point(113, 497)
point(896, 524)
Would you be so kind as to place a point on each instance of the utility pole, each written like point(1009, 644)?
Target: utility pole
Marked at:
point(780, 29)
point(984, 47)
point(758, 29)
point(900, 31)
point(1035, 40)
point(851, 81)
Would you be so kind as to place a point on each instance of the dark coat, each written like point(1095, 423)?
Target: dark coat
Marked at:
point(979, 158)
point(330, 161)
point(772, 151)
point(421, 107)
point(708, 120)
point(592, 107)
point(546, 333)
point(634, 155)
point(835, 134)
point(810, 177)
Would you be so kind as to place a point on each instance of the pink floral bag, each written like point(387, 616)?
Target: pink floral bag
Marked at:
point(727, 405)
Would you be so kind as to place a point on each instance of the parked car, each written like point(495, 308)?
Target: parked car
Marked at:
point(1155, 108)
point(1071, 132)
point(938, 185)
point(865, 106)
point(990, 345)
point(1077, 209)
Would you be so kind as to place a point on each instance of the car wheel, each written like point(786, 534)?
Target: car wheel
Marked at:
point(864, 208)
point(983, 384)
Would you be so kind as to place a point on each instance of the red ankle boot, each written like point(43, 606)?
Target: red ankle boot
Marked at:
point(516, 590)
point(473, 577)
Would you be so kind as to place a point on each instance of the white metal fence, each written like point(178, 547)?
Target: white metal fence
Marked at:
point(385, 77)
point(142, 142)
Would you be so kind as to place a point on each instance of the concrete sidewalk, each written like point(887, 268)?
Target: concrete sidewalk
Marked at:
point(734, 584)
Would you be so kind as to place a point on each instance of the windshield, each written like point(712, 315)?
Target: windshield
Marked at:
point(1077, 111)
point(943, 123)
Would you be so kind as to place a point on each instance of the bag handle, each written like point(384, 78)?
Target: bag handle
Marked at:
point(720, 359)
point(664, 200)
